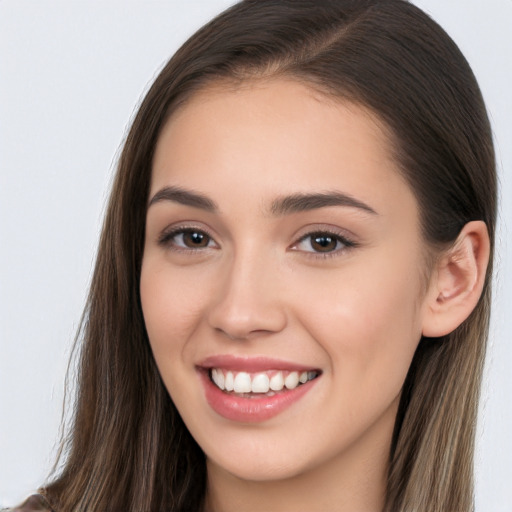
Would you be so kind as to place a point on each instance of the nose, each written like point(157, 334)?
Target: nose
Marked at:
point(249, 300)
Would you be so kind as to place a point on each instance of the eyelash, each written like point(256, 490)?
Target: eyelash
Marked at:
point(166, 239)
point(345, 242)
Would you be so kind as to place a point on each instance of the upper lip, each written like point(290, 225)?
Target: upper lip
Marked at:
point(251, 364)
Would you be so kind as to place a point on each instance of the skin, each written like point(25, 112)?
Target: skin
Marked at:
point(258, 288)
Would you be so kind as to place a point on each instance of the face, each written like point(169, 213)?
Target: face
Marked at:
point(282, 278)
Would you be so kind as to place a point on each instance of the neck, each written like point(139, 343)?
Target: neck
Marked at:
point(352, 481)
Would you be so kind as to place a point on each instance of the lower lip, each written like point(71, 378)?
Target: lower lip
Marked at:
point(251, 410)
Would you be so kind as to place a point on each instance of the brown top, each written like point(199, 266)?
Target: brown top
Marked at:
point(36, 503)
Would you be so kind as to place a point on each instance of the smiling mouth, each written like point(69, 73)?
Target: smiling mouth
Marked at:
point(259, 384)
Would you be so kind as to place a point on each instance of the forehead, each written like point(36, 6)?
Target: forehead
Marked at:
point(277, 137)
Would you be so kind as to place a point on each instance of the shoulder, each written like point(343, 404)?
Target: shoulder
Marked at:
point(36, 503)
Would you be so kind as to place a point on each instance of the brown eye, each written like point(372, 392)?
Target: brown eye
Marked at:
point(187, 239)
point(323, 242)
point(195, 239)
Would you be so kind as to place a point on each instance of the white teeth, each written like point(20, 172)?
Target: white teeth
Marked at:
point(242, 383)
point(292, 380)
point(218, 378)
point(229, 382)
point(277, 382)
point(260, 383)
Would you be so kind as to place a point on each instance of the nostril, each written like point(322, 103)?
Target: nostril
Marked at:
point(243, 336)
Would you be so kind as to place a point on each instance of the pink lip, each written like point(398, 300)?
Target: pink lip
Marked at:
point(250, 410)
point(251, 364)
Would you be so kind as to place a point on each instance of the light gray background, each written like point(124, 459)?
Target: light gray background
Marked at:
point(71, 75)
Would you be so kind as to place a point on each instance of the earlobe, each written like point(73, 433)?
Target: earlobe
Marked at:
point(457, 281)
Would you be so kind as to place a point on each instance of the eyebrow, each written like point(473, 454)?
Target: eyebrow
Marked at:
point(304, 202)
point(282, 206)
point(185, 197)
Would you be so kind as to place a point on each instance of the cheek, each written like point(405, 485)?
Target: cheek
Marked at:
point(172, 307)
point(368, 321)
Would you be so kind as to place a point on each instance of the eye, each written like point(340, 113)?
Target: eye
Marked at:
point(323, 242)
point(187, 239)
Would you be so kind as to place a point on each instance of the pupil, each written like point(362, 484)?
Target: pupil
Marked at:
point(196, 239)
point(324, 243)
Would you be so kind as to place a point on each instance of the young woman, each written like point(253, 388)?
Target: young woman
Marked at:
point(290, 304)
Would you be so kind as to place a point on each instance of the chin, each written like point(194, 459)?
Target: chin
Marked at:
point(259, 469)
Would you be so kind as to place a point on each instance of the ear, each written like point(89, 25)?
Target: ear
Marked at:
point(457, 281)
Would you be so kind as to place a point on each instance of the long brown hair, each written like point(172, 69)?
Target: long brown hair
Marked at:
point(128, 449)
